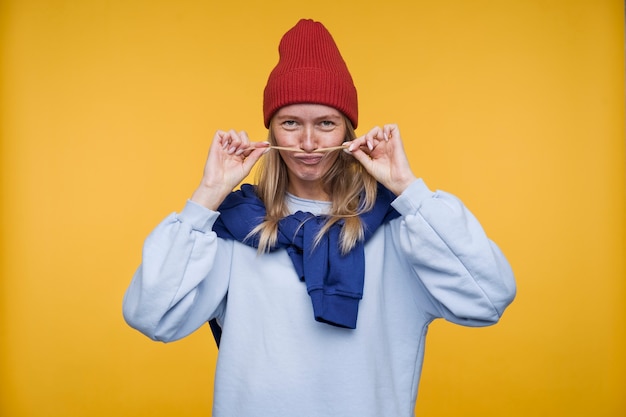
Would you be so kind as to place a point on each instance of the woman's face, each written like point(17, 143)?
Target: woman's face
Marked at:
point(308, 127)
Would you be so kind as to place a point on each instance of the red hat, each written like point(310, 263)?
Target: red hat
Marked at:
point(310, 70)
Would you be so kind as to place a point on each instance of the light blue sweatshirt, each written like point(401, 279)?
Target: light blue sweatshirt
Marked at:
point(434, 261)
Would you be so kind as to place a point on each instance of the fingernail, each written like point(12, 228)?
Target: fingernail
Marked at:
point(369, 145)
point(239, 152)
point(232, 149)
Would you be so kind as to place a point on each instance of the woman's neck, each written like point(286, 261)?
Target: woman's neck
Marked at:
point(308, 192)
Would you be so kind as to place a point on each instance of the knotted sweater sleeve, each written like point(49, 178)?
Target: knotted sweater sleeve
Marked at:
point(465, 273)
point(183, 278)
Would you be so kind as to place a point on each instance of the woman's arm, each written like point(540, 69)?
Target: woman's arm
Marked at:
point(465, 273)
point(183, 279)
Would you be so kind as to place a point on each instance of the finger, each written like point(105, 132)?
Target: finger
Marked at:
point(391, 130)
point(369, 140)
point(363, 157)
point(251, 146)
point(221, 138)
point(375, 132)
point(236, 139)
point(372, 137)
point(253, 157)
point(357, 143)
point(243, 136)
point(244, 143)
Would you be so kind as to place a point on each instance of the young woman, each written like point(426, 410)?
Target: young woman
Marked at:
point(323, 277)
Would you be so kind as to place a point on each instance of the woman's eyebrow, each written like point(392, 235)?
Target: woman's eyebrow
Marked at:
point(287, 117)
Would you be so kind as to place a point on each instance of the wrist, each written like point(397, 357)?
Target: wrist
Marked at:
point(209, 196)
point(399, 186)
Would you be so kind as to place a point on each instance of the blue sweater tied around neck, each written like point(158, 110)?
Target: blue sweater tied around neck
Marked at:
point(334, 281)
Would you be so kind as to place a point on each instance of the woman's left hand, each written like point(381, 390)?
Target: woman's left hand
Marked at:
point(381, 152)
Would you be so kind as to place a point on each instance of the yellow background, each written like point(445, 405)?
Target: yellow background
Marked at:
point(108, 108)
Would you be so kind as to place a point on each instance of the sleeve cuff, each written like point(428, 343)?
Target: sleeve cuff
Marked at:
point(412, 198)
point(200, 217)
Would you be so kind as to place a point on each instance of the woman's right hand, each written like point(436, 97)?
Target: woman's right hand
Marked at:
point(231, 158)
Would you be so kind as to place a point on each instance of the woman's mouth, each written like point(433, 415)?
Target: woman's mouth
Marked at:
point(311, 159)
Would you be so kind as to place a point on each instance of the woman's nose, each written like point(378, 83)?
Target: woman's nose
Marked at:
point(308, 142)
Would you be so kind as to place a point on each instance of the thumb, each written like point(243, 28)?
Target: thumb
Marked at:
point(358, 154)
point(253, 158)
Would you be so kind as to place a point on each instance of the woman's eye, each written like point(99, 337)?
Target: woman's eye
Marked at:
point(289, 124)
point(327, 124)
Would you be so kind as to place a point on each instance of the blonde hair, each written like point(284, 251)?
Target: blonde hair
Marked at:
point(351, 188)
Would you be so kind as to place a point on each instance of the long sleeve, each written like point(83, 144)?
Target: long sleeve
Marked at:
point(183, 279)
point(464, 272)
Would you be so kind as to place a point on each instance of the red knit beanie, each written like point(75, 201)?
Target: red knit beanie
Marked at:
point(310, 70)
